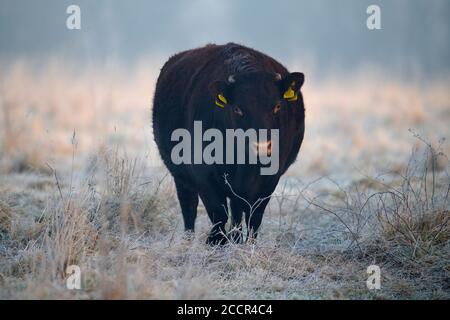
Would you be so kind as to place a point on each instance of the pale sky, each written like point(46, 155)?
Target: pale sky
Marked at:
point(332, 34)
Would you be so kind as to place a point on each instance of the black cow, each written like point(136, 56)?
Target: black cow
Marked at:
point(227, 87)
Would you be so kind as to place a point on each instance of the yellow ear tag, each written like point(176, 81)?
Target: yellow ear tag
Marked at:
point(290, 95)
point(223, 101)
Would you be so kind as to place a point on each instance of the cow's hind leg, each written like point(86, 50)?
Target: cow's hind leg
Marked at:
point(235, 233)
point(217, 208)
point(188, 202)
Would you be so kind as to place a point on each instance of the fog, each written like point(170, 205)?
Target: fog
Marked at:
point(328, 35)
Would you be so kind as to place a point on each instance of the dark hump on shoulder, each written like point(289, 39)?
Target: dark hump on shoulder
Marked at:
point(230, 58)
point(240, 59)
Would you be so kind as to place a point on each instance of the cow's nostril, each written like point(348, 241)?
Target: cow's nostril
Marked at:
point(277, 108)
point(263, 148)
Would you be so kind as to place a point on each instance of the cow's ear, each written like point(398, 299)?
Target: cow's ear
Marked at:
point(291, 84)
point(219, 90)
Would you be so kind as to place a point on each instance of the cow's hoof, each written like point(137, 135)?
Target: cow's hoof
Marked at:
point(189, 235)
point(251, 241)
point(216, 239)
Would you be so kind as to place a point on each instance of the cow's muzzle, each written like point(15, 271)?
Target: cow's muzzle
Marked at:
point(263, 148)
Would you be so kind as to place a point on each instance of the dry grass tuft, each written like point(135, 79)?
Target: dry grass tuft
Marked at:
point(5, 219)
point(126, 195)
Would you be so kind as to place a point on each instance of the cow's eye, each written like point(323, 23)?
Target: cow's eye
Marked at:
point(277, 108)
point(238, 111)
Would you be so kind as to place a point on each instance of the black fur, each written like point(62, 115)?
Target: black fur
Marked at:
point(186, 91)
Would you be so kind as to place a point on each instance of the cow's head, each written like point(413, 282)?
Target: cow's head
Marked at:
point(259, 100)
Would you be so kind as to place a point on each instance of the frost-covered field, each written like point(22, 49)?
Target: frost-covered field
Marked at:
point(81, 183)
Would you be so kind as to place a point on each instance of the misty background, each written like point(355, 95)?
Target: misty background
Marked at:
point(327, 35)
point(82, 182)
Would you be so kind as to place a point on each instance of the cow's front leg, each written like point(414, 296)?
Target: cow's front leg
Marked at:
point(217, 208)
point(235, 234)
point(253, 219)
